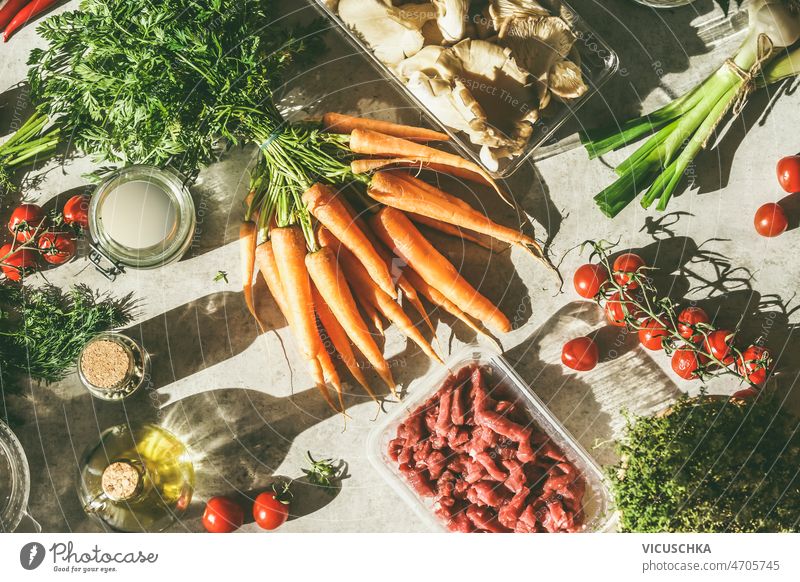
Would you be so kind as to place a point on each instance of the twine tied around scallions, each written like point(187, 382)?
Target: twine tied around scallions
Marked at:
point(765, 50)
point(684, 127)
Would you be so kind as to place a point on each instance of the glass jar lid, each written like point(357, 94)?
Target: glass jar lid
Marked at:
point(142, 217)
point(15, 480)
point(112, 366)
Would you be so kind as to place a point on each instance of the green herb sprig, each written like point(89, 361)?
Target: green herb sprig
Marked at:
point(43, 330)
point(710, 465)
point(322, 472)
point(169, 82)
point(162, 82)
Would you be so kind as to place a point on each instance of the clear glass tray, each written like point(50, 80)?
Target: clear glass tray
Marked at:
point(598, 63)
point(597, 503)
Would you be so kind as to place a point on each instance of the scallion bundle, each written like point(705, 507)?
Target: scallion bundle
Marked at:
point(681, 129)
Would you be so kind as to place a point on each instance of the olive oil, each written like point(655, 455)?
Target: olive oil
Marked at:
point(138, 479)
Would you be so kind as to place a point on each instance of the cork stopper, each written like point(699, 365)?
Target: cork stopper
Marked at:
point(105, 363)
point(121, 481)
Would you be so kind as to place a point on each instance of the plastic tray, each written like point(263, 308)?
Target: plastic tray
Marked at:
point(598, 62)
point(597, 499)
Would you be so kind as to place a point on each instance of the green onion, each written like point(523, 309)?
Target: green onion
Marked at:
point(36, 139)
point(681, 129)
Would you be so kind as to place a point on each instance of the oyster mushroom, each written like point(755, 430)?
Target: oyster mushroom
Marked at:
point(392, 32)
point(425, 61)
point(451, 17)
point(478, 88)
point(566, 80)
point(502, 12)
point(543, 46)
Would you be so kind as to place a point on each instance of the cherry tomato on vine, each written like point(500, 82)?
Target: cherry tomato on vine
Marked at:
point(222, 515)
point(57, 247)
point(589, 279)
point(652, 334)
point(21, 262)
point(616, 306)
point(269, 511)
point(789, 173)
point(685, 363)
point(770, 220)
point(25, 220)
point(718, 344)
point(624, 267)
point(580, 354)
point(688, 320)
point(76, 210)
point(755, 364)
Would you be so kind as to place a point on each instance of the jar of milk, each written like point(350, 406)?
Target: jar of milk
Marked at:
point(140, 217)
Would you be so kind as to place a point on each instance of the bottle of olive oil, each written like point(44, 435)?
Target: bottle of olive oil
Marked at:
point(138, 479)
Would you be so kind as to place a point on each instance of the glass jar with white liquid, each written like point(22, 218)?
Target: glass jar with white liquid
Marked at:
point(140, 217)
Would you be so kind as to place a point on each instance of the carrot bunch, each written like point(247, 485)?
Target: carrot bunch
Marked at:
point(338, 276)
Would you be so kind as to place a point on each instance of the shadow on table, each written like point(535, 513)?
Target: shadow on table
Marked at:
point(650, 44)
point(239, 438)
point(202, 333)
point(589, 403)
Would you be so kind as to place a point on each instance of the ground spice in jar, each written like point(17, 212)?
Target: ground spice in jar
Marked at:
point(105, 363)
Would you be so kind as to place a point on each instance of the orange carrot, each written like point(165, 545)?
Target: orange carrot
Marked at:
point(479, 239)
point(402, 283)
point(333, 288)
point(440, 300)
point(338, 123)
point(265, 261)
point(365, 141)
point(369, 165)
point(405, 192)
point(247, 250)
point(331, 376)
point(365, 287)
point(339, 340)
point(373, 316)
point(411, 294)
point(327, 207)
point(315, 368)
point(397, 231)
point(320, 367)
point(289, 247)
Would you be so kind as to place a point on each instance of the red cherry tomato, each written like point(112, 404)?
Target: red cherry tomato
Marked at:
point(222, 515)
point(652, 335)
point(25, 220)
point(624, 267)
point(580, 354)
point(688, 320)
point(755, 364)
point(745, 394)
point(616, 306)
point(685, 363)
point(57, 247)
point(269, 511)
point(589, 279)
point(76, 210)
point(718, 344)
point(22, 262)
point(770, 220)
point(789, 174)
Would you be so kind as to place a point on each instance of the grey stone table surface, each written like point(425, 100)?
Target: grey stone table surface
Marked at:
point(243, 402)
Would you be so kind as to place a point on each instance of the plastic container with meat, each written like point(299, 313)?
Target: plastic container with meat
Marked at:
point(473, 449)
